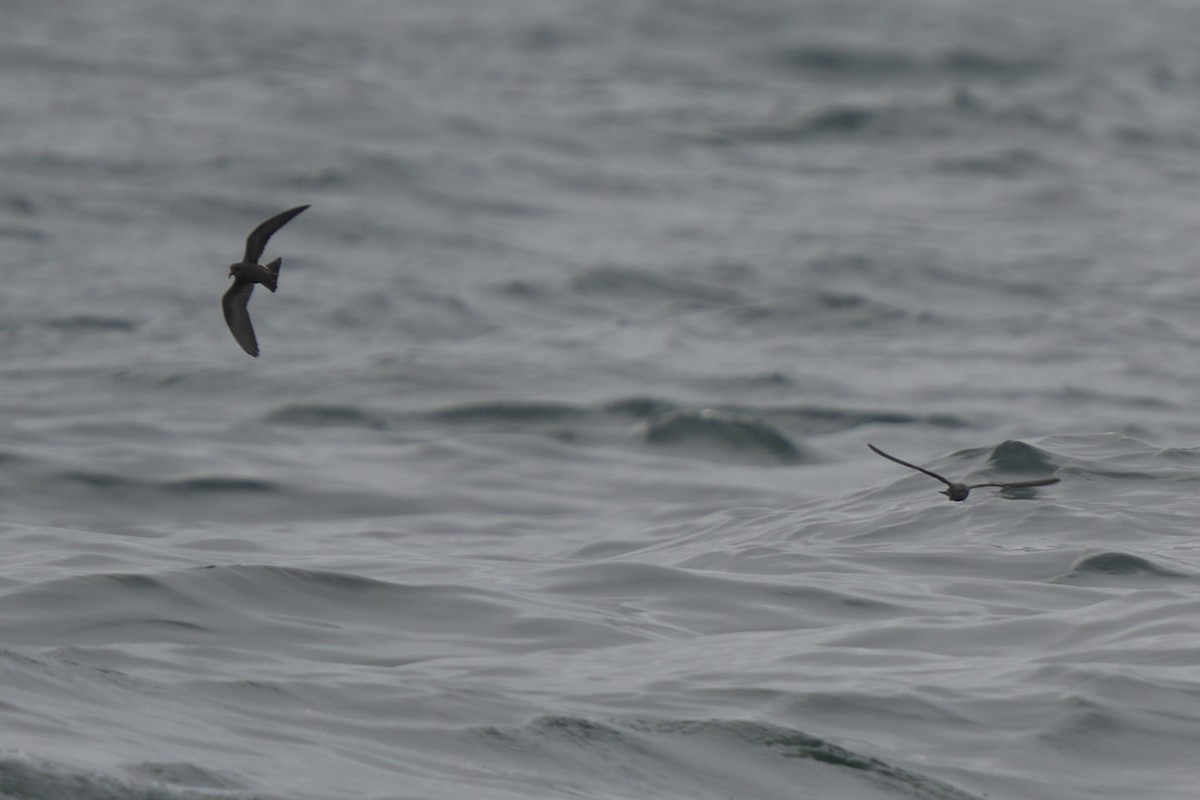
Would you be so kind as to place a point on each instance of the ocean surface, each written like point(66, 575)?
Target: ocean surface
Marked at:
point(552, 478)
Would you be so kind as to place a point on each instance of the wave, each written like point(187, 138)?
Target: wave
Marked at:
point(221, 485)
point(113, 484)
point(310, 415)
point(25, 778)
point(702, 599)
point(846, 61)
point(960, 113)
point(649, 408)
point(1011, 163)
point(509, 412)
point(703, 759)
point(313, 615)
point(720, 433)
point(1015, 456)
point(227, 498)
point(1101, 567)
point(821, 312)
point(645, 285)
point(91, 323)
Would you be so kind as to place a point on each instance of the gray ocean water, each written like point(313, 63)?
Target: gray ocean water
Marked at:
point(552, 479)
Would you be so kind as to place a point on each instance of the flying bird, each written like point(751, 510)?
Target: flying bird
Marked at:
point(959, 491)
point(248, 272)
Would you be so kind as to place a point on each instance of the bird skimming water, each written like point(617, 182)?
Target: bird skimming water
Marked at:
point(959, 491)
point(248, 272)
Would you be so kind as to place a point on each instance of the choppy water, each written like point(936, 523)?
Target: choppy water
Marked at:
point(552, 478)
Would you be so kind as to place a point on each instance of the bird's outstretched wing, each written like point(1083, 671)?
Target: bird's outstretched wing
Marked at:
point(256, 242)
point(910, 466)
point(1019, 484)
point(237, 317)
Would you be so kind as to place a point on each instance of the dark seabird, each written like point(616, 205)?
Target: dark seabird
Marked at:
point(959, 491)
point(248, 272)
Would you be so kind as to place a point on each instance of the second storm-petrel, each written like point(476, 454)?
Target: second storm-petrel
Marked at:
point(248, 272)
point(959, 491)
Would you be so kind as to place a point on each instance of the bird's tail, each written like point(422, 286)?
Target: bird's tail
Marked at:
point(273, 268)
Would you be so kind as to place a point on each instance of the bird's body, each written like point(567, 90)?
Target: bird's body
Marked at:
point(266, 274)
point(246, 273)
point(959, 491)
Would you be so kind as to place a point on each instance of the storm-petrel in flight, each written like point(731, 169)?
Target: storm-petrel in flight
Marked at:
point(248, 272)
point(959, 491)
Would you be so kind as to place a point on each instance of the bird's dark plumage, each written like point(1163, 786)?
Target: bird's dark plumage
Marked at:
point(890, 457)
point(959, 491)
point(237, 317)
point(256, 242)
point(249, 272)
